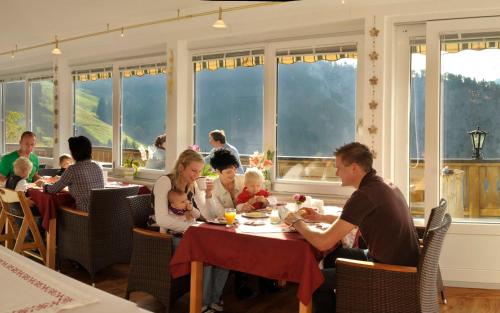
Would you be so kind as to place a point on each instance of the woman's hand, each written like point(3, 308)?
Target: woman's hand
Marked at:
point(309, 214)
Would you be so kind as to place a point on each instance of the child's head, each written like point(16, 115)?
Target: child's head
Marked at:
point(65, 160)
point(253, 180)
point(23, 167)
point(177, 199)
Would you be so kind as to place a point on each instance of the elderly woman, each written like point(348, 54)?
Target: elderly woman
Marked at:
point(183, 178)
point(228, 185)
point(82, 176)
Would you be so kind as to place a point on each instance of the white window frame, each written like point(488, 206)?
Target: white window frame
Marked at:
point(270, 67)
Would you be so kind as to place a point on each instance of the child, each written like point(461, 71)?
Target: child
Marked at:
point(179, 204)
point(253, 197)
point(65, 160)
point(22, 169)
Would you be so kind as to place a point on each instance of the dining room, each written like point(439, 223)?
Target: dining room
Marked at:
point(415, 82)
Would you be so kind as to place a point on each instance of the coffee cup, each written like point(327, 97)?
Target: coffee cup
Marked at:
point(202, 182)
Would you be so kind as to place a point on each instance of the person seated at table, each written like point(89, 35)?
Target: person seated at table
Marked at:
point(18, 182)
point(226, 185)
point(182, 178)
point(26, 145)
point(180, 206)
point(375, 202)
point(253, 196)
point(81, 177)
point(65, 161)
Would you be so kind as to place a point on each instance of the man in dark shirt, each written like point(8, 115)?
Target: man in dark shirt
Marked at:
point(377, 208)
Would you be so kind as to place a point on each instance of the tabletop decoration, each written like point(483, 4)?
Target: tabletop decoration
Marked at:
point(299, 199)
point(264, 162)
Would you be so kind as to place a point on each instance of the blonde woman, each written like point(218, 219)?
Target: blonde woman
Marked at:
point(183, 178)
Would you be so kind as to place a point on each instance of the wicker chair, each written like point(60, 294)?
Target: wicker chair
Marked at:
point(367, 287)
point(151, 253)
point(100, 237)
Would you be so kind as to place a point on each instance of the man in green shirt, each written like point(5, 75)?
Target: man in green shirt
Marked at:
point(26, 145)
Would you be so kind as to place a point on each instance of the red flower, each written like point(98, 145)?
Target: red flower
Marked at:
point(299, 198)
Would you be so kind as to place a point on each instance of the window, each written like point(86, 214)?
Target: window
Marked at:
point(470, 89)
point(42, 116)
point(229, 96)
point(93, 94)
point(316, 110)
point(143, 114)
point(14, 112)
point(417, 126)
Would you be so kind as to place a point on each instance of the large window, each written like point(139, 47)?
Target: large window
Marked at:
point(417, 126)
point(316, 110)
point(229, 96)
point(42, 115)
point(143, 114)
point(93, 94)
point(14, 113)
point(470, 93)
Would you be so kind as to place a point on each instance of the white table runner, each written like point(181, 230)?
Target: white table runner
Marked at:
point(27, 289)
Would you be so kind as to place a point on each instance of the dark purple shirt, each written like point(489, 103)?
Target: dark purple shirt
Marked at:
point(380, 211)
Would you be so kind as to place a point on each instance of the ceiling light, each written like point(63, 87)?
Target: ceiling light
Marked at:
point(122, 34)
point(56, 50)
point(220, 22)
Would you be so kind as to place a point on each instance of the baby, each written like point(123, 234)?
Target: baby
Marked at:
point(253, 197)
point(179, 204)
point(65, 160)
point(22, 170)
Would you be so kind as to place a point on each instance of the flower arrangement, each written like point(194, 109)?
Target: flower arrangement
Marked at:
point(263, 161)
point(132, 163)
point(299, 198)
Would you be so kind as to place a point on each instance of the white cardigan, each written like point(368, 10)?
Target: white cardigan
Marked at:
point(169, 221)
point(222, 197)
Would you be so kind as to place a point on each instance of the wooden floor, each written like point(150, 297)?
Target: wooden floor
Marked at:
point(114, 280)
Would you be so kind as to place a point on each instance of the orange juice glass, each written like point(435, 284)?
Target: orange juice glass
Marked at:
point(230, 215)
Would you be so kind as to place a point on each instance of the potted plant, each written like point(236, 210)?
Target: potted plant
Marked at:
point(130, 167)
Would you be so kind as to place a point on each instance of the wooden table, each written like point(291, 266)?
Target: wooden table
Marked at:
point(281, 256)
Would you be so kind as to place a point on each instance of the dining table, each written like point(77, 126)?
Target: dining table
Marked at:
point(48, 204)
point(258, 248)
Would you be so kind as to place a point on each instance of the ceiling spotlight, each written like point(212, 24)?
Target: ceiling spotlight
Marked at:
point(12, 54)
point(56, 50)
point(122, 34)
point(220, 22)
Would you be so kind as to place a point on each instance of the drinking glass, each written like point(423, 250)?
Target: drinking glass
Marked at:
point(230, 215)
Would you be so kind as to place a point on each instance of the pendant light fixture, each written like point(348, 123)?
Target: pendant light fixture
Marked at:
point(56, 50)
point(220, 22)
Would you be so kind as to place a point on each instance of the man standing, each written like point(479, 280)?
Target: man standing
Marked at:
point(377, 207)
point(217, 139)
point(26, 145)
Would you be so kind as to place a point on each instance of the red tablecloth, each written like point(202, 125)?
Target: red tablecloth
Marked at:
point(48, 203)
point(282, 256)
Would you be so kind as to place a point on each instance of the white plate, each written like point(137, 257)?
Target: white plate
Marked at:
point(254, 215)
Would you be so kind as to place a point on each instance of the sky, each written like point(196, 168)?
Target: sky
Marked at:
point(481, 65)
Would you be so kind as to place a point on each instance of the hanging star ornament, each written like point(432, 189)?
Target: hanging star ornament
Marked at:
point(373, 80)
point(372, 129)
point(374, 153)
point(373, 104)
point(373, 56)
point(374, 32)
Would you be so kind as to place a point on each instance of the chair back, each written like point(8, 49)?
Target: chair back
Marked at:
point(140, 209)
point(48, 171)
point(436, 217)
point(428, 266)
point(109, 218)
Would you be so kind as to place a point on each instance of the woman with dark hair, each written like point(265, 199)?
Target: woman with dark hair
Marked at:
point(228, 185)
point(82, 176)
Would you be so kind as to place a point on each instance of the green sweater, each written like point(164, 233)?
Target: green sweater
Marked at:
point(7, 164)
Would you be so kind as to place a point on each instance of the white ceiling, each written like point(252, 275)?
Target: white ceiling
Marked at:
point(29, 22)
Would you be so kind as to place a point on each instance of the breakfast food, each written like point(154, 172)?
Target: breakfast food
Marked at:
point(302, 212)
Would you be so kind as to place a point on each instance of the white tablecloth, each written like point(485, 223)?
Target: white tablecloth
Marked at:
point(31, 287)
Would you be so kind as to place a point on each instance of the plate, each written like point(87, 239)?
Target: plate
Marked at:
point(254, 215)
point(255, 223)
point(220, 221)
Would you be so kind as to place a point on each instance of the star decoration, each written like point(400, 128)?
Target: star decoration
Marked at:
point(373, 56)
point(374, 153)
point(372, 129)
point(373, 104)
point(374, 32)
point(373, 80)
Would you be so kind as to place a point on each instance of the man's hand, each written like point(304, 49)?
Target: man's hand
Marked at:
point(40, 183)
point(310, 214)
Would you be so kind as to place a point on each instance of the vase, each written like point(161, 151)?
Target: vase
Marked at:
point(128, 173)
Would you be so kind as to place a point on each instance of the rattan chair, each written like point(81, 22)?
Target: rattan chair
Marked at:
point(151, 254)
point(100, 237)
point(48, 171)
point(367, 287)
point(10, 233)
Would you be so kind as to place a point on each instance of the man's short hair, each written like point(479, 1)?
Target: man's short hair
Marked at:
point(22, 164)
point(80, 147)
point(27, 134)
point(356, 152)
point(218, 135)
